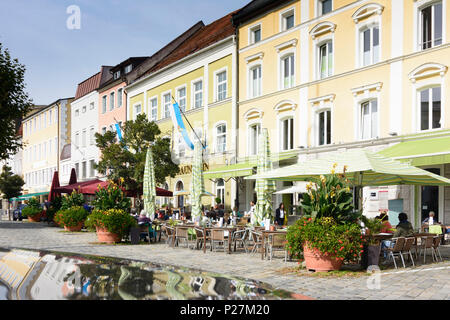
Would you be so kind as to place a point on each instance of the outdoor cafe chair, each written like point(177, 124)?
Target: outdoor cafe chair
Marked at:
point(218, 236)
point(427, 243)
point(181, 234)
point(200, 237)
point(396, 251)
point(435, 247)
point(240, 236)
point(257, 240)
point(408, 247)
point(170, 234)
point(144, 230)
point(277, 242)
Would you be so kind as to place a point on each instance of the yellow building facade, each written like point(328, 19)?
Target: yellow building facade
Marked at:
point(203, 85)
point(329, 75)
point(45, 132)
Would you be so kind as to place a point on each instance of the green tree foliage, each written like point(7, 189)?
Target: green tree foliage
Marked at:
point(126, 158)
point(14, 103)
point(10, 184)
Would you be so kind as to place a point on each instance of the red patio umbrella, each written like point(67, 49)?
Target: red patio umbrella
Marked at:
point(55, 184)
point(76, 186)
point(92, 188)
point(73, 177)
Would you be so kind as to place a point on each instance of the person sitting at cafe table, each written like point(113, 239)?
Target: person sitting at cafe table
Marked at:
point(403, 229)
point(387, 227)
point(430, 220)
point(236, 213)
point(143, 219)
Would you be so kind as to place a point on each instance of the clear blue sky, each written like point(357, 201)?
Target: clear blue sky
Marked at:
point(57, 58)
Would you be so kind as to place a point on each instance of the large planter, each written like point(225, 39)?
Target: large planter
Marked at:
point(105, 236)
point(318, 261)
point(35, 218)
point(75, 228)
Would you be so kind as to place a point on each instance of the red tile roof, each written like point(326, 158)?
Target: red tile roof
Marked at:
point(204, 37)
point(92, 83)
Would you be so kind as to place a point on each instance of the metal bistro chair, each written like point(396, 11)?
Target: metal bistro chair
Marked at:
point(396, 251)
point(257, 240)
point(277, 242)
point(170, 234)
point(199, 238)
point(435, 247)
point(240, 236)
point(218, 236)
point(408, 247)
point(427, 243)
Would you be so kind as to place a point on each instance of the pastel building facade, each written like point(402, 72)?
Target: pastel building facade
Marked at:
point(45, 131)
point(200, 75)
point(330, 75)
point(85, 123)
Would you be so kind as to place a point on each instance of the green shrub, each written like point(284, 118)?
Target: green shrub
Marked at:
point(343, 241)
point(114, 220)
point(71, 217)
point(32, 209)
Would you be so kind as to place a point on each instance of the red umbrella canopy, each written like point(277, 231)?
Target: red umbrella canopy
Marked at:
point(55, 184)
point(76, 186)
point(73, 177)
point(93, 187)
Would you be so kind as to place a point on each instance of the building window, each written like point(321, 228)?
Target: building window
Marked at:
point(137, 110)
point(50, 117)
point(326, 60)
point(83, 170)
point(83, 110)
point(77, 169)
point(77, 140)
point(220, 190)
point(287, 72)
point(255, 34)
point(287, 134)
point(255, 82)
point(77, 113)
point(198, 94)
point(181, 94)
point(369, 120)
point(431, 26)
point(91, 106)
point(370, 45)
point(221, 86)
point(324, 119)
point(44, 150)
point(45, 120)
point(103, 104)
point(430, 108)
point(167, 100)
point(221, 138)
point(288, 20)
point(92, 136)
point(83, 138)
point(92, 168)
point(50, 147)
point(119, 98)
point(111, 101)
point(116, 75)
point(128, 68)
point(154, 109)
point(255, 131)
point(325, 6)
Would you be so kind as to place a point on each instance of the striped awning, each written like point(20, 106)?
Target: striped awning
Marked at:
point(29, 196)
point(364, 168)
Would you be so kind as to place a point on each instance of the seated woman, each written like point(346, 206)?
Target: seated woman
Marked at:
point(387, 227)
point(403, 229)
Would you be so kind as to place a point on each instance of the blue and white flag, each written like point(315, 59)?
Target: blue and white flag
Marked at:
point(179, 124)
point(119, 132)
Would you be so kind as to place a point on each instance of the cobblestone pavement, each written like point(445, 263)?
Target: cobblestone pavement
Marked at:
point(424, 282)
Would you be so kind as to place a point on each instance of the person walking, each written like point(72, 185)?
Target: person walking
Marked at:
point(280, 214)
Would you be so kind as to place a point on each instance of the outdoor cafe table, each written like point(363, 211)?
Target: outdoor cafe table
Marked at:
point(266, 234)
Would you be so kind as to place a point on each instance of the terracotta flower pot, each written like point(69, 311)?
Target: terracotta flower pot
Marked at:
point(36, 218)
point(318, 261)
point(104, 235)
point(75, 228)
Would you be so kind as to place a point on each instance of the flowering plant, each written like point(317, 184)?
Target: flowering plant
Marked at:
point(343, 241)
point(114, 220)
point(111, 197)
point(71, 217)
point(75, 199)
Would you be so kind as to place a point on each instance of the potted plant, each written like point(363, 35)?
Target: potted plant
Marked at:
point(110, 217)
point(328, 234)
point(72, 219)
point(55, 206)
point(372, 246)
point(33, 211)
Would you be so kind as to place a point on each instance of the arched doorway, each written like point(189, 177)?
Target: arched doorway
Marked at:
point(180, 199)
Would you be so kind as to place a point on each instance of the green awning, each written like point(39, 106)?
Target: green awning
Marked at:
point(423, 152)
point(235, 170)
point(28, 196)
